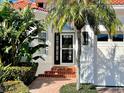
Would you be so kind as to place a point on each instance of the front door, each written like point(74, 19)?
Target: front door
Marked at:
point(66, 49)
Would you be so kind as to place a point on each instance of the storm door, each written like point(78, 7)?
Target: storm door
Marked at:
point(66, 48)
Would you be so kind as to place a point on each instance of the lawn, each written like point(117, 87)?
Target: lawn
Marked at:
point(85, 88)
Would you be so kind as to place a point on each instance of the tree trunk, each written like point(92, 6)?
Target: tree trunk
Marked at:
point(78, 58)
point(95, 60)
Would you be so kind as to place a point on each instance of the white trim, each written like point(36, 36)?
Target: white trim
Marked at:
point(106, 44)
point(66, 64)
point(118, 6)
point(67, 31)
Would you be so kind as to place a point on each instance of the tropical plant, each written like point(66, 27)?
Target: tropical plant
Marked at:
point(81, 13)
point(14, 87)
point(84, 88)
point(18, 28)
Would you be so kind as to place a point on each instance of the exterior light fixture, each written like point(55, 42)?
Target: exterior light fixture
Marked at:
point(85, 38)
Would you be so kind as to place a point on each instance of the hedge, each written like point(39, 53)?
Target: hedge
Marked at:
point(24, 74)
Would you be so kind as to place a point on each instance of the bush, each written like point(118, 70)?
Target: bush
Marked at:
point(15, 87)
point(71, 88)
point(31, 75)
point(28, 64)
point(16, 73)
point(16, 34)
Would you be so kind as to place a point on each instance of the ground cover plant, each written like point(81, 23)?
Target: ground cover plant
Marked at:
point(84, 88)
point(15, 87)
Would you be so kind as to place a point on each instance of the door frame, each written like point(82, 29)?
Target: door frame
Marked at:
point(66, 64)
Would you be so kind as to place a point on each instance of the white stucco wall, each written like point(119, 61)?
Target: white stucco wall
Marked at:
point(110, 64)
point(44, 65)
point(86, 59)
point(108, 68)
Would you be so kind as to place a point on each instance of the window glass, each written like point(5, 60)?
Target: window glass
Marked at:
point(67, 41)
point(32, 0)
point(11, 1)
point(43, 37)
point(102, 37)
point(40, 5)
point(67, 56)
point(118, 37)
point(85, 38)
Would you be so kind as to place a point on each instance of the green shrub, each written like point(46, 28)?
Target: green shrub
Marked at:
point(16, 34)
point(28, 64)
point(71, 88)
point(16, 73)
point(14, 87)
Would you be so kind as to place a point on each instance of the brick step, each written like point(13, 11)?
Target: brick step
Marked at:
point(58, 76)
point(56, 68)
point(44, 75)
point(62, 72)
point(69, 71)
point(63, 68)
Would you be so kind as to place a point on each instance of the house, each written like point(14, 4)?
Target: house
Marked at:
point(105, 70)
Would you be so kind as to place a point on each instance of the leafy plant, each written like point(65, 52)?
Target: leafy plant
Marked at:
point(18, 28)
point(84, 88)
point(15, 73)
point(15, 87)
point(3, 73)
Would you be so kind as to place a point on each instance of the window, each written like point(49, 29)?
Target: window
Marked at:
point(41, 5)
point(102, 37)
point(105, 37)
point(118, 37)
point(57, 49)
point(43, 37)
point(85, 38)
point(32, 0)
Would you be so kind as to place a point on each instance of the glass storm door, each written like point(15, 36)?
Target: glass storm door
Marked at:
point(66, 50)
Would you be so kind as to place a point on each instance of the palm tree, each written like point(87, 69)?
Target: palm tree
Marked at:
point(81, 13)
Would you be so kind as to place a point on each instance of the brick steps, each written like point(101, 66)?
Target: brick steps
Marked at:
point(60, 72)
point(58, 76)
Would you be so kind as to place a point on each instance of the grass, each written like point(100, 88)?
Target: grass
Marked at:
point(85, 88)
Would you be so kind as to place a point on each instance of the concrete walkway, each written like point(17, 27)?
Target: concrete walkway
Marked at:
point(48, 85)
point(52, 85)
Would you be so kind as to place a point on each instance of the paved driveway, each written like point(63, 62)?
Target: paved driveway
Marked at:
point(52, 85)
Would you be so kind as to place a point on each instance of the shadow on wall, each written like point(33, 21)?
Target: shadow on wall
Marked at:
point(109, 66)
point(110, 69)
point(86, 65)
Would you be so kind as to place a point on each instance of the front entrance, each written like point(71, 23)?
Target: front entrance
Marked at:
point(64, 49)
